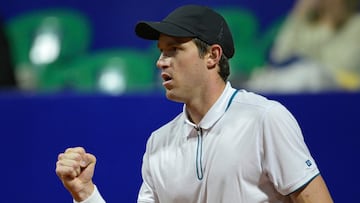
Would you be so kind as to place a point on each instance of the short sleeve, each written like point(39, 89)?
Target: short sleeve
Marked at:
point(146, 193)
point(287, 159)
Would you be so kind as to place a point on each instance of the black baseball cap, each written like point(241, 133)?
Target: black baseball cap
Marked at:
point(191, 21)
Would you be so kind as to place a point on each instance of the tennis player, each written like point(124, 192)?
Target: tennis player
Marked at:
point(227, 145)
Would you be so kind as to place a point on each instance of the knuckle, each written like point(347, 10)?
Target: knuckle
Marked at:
point(60, 156)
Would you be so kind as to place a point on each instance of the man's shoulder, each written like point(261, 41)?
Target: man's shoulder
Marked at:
point(174, 123)
point(251, 99)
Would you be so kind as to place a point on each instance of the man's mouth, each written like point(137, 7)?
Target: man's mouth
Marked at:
point(166, 77)
point(167, 80)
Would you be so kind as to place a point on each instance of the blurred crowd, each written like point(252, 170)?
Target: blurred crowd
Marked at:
point(317, 48)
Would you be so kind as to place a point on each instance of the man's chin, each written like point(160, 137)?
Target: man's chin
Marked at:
point(171, 96)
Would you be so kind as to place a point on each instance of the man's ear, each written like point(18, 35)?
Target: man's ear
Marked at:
point(214, 55)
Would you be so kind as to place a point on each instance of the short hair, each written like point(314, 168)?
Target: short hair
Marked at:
point(224, 65)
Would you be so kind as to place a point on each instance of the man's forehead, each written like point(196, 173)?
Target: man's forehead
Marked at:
point(170, 40)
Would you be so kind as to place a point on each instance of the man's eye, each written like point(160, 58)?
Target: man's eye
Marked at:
point(170, 52)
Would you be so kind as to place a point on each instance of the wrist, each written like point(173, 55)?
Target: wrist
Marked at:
point(85, 193)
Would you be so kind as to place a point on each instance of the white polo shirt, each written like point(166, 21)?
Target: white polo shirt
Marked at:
point(246, 149)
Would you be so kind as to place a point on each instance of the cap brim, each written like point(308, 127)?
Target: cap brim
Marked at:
point(152, 30)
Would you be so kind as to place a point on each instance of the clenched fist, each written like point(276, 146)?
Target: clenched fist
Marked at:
point(75, 168)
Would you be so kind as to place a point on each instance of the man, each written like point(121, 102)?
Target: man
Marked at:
point(226, 146)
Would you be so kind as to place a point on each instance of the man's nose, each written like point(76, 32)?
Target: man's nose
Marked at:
point(162, 62)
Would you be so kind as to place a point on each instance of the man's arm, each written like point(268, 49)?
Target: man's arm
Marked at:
point(314, 192)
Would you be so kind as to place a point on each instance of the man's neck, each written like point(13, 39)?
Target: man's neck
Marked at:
point(198, 107)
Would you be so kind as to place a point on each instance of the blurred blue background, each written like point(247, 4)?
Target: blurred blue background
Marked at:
point(65, 105)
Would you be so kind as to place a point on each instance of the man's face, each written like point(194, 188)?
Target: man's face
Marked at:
point(182, 69)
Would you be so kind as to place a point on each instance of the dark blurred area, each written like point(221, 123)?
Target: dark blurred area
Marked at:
point(7, 72)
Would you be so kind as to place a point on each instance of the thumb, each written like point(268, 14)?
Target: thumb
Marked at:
point(87, 167)
point(87, 160)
